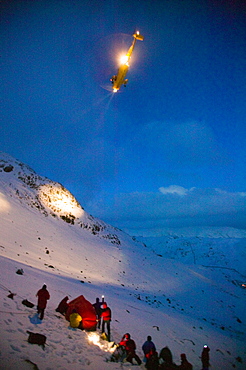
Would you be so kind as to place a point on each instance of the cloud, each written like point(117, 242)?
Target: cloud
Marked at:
point(173, 189)
point(173, 207)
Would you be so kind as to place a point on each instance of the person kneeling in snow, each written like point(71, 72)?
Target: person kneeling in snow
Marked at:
point(63, 306)
point(75, 320)
point(130, 347)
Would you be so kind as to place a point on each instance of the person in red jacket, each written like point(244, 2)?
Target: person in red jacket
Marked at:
point(106, 318)
point(130, 348)
point(43, 296)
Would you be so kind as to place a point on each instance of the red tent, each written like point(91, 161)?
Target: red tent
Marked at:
point(86, 311)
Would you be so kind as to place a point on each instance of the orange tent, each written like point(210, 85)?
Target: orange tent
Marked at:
point(85, 309)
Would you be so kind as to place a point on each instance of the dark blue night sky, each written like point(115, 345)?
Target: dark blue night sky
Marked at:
point(167, 151)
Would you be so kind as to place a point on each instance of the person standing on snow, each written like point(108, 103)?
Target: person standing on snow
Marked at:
point(205, 358)
point(98, 310)
point(43, 296)
point(150, 354)
point(185, 365)
point(130, 348)
point(106, 318)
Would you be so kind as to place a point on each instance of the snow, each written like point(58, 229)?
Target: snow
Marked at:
point(184, 291)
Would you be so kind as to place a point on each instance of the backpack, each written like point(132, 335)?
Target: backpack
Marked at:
point(27, 303)
point(36, 338)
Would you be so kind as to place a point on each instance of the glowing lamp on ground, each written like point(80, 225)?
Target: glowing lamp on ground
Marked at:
point(94, 338)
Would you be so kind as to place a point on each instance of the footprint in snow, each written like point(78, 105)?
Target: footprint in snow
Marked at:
point(61, 353)
point(21, 331)
point(10, 331)
point(56, 341)
point(15, 348)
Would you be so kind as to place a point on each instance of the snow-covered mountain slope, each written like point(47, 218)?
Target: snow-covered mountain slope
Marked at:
point(224, 252)
point(48, 197)
point(182, 300)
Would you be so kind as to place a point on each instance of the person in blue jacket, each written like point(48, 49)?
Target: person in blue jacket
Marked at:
point(150, 354)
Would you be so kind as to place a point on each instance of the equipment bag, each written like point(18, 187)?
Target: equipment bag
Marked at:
point(27, 303)
point(36, 338)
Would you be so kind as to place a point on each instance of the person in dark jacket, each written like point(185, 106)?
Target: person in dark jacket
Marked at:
point(130, 348)
point(106, 318)
point(43, 296)
point(150, 354)
point(166, 359)
point(63, 306)
point(97, 305)
point(185, 365)
point(205, 358)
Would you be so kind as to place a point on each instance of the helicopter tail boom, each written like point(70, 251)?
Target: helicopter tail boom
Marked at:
point(137, 36)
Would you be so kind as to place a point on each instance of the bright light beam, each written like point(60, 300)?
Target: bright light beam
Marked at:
point(4, 204)
point(94, 338)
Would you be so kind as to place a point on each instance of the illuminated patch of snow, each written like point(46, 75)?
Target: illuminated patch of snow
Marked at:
point(4, 204)
point(59, 200)
point(94, 338)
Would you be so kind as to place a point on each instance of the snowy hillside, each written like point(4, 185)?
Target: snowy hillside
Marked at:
point(224, 252)
point(183, 291)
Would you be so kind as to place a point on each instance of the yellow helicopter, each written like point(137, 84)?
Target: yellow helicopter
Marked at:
point(119, 79)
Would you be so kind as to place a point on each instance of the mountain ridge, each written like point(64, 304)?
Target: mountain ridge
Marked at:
point(50, 198)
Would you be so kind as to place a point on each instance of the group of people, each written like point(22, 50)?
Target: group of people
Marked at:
point(164, 360)
point(104, 316)
point(153, 361)
point(103, 312)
